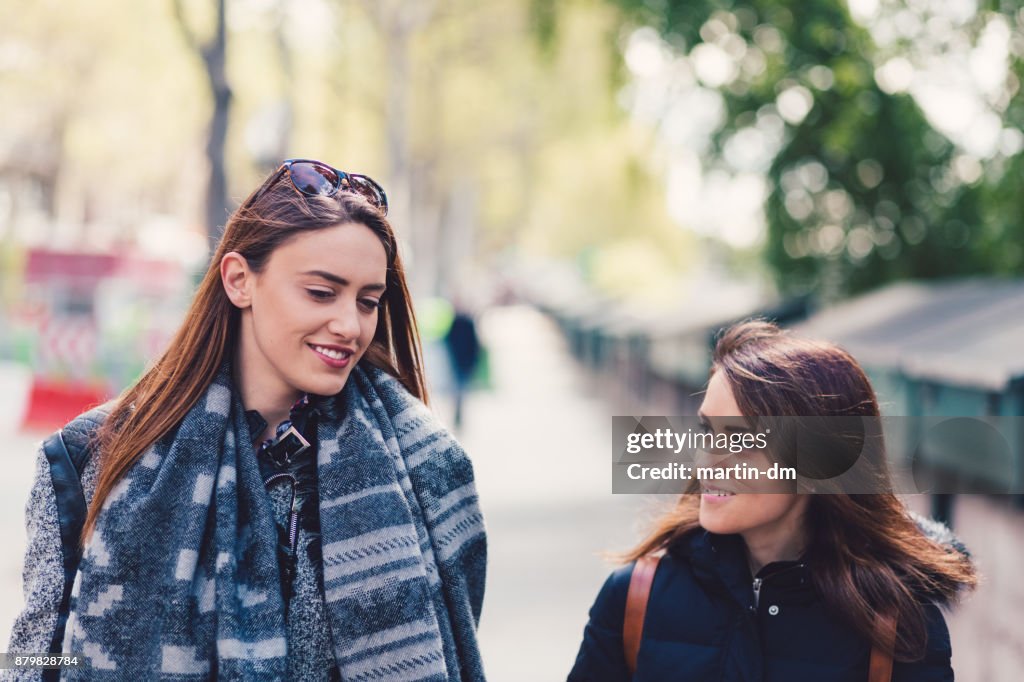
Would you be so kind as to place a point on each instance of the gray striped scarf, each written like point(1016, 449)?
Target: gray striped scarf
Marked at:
point(180, 577)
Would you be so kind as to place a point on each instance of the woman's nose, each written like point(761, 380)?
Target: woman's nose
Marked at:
point(345, 321)
point(703, 458)
point(711, 458)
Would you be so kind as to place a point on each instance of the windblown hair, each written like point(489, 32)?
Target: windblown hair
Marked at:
point(867, 554)
point(160, 399)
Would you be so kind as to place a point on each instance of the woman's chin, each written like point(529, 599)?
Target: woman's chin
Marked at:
point(325, 387)
point(715, 521)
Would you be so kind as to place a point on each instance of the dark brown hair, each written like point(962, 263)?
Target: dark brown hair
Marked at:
point(866, 553)
point(160, 399)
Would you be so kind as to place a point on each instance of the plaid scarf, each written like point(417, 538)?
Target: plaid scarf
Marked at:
point(180, 576)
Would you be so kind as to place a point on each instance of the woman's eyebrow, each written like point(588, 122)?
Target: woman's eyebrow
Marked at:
point(341, 281)
point(728, 427)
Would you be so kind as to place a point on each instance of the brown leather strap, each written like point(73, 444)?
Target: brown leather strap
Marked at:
point(636, 607)
point(880, 666)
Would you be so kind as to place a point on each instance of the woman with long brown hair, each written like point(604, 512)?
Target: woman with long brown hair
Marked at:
point(272, 499)
point(769, 582)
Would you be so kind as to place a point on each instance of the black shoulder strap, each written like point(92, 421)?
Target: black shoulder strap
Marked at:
point(78, 435)
point(67, 453)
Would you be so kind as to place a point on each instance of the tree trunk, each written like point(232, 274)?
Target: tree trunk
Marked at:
point(214, 55)
point(398, 22)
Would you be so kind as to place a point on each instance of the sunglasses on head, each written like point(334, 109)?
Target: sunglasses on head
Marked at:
point(315, 178)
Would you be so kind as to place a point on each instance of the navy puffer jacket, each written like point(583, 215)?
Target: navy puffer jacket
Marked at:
point(705, 624)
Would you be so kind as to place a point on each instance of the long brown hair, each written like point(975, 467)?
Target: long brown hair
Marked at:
point(160, 399)
point(867, 554)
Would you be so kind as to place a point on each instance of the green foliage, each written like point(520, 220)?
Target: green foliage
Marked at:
point(862, 189)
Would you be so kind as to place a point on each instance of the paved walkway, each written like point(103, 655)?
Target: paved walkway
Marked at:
point(18, 467)
point(986, 631)
point(540, 442)
point(540, 445)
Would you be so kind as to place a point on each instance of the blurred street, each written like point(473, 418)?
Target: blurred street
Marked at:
point(540, 444)
point(539, 441)
point(584, 195)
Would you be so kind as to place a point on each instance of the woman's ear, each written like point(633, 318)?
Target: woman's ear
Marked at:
point(237, 279)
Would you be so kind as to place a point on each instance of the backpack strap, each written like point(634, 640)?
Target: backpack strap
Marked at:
point(67, 452)
point(636, 607)
point(78, 434)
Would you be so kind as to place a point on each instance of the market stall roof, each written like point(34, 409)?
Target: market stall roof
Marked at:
point(966, 332)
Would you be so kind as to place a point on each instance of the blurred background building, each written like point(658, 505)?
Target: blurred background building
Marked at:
point(600, 185)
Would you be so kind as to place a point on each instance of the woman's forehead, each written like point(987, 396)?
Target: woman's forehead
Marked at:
point(719, 398)
point(343, 248)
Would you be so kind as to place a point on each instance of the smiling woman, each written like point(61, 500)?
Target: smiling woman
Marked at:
point(272, 499)
point(758, 580)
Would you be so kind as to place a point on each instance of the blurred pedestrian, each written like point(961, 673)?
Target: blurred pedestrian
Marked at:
point(463, 347)
point(254, 506)
point(755, 581)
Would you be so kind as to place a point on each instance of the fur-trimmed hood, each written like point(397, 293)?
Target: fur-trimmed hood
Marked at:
point(941, 533)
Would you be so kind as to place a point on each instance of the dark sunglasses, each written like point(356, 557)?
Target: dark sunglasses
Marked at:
point(315, 178)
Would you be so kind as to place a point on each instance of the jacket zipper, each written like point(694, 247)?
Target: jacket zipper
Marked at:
point(293, 531)
point(293, 515)
point(760, 581)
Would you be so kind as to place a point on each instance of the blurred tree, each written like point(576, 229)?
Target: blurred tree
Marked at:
point(862, 189)
point(214, 55)
point(498, 115)
point(398, 23)
point(101, 124)
point(1002, 202)
point(502, 118)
